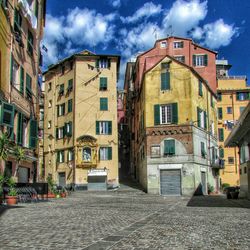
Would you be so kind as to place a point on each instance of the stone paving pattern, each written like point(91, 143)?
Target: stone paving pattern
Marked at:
point(127, 219)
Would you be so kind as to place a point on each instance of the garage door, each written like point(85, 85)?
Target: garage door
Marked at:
point(97, 183)
point(170, 182)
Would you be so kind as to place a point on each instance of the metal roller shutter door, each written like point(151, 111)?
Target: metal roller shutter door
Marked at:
point(170, 182)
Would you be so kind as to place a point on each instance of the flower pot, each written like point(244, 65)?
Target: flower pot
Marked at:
point(50, 195)
point(63, 195)
point(11, 200)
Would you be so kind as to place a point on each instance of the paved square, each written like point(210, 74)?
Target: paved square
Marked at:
point(127, 219)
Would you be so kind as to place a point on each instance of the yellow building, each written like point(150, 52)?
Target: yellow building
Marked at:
point(175, 141)
point(233, 96)
point(21, 30)
point(80, 121)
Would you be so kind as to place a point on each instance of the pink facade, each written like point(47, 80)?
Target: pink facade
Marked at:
point(165, 47)
point(120, 109)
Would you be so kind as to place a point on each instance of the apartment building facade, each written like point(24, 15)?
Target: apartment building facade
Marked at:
point(233, 96)
point(80, 121)
point(22, 23)
point(172, 118)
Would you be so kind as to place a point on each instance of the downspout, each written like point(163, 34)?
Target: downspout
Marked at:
point(235, 153)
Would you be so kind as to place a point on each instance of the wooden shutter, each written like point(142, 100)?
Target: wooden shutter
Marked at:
point(220, 114)
point(169, 147)
point(20, 129)
point(157, 114)
point(70, 129)
point(109, 153)
point(200, 88)
point(11, 68)
point(165, 81)
point(57, 134)
point(205, 120)
point(221, 153)
point(109, 127)
point(205, 60)
point(7, 115)
point(237, 96)
point(198, 117)
point(194, 60)
point(103, 103)
point(21, 79)
point(221, 134)
point(97, 128)
point(62, 152)
point(175, 113)
point(33, 133)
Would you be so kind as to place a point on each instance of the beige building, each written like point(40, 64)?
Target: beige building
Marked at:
point(80, 121)
point(233, 96)
point(21, 29)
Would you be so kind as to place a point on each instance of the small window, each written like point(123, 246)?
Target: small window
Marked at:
point(103, 63)
point(105, 153)
point(30, 43)
point(164, 44)
point(17, 21)
point(220, 113)
point(68, 129)
point(200, 60)
point(59, 133)
point(103, 104)
point(242, 96)
point(203, 151)
point(60, 156)
point(70, 155)
point(103, 83)
point(61, 109)
point(103, 127)
point(61, 90)
point(178, 45)
point(229, 110)
point(221, 134)
point(49, 124)
point(169, 147)
point(180, 58)
point(70, 85)
point(219, 96)
point(70, 105)
point(230, 160)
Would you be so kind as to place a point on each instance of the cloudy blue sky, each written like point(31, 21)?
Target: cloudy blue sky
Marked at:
point(126, 27)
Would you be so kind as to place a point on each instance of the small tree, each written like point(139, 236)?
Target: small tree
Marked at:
point(4, 146)
point(20, 156)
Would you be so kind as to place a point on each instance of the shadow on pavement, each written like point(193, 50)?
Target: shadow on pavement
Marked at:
point(4, 208)
point(129, 185)
point(217, 201)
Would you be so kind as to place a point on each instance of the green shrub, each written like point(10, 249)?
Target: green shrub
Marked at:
point(210, 188)
point(225, 185)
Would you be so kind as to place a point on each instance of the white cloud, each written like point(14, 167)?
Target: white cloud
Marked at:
point(218, 34)
point(115, 3)
point(184, 16)
point(147, 10)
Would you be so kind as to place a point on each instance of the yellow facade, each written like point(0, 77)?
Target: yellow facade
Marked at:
point(85, 115)
point(231, 107)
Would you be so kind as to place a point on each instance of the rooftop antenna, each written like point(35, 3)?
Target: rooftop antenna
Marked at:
point(170, 29)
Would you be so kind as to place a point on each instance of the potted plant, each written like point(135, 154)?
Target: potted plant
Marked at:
point(11, 198)
point(51, 186)
point(210, 188)
point(63, 193)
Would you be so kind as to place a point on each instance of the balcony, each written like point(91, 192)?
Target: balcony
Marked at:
point(28, 12)
point(218, 163)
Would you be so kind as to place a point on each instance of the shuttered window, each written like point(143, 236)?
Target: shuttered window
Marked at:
point(200, 60)
point(60, 156)
point(21, 80)
point(103, 103)
point(220, 113)
point(30, 42)
point(103, 127)
point(70, 85)
point(7, 114)
point(103, 83)
point(28, 86)
point(33, 134)
point(165, 81)
point(70, 106)
point(105, 153)
point(169, 147)
point(68, 129)
point(200, 88)
point(166, 114)
point(203, 152)
point(221, 134)
point(17, 21)
point(221, 153)
point(20, 129)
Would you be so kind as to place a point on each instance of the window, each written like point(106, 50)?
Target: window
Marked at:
point(49, 124)
point(105, 153)
point(219, 96)
point(203, 152)
point(220, 113)
point(30, 42)
point(221, 153)
point(17, 21)
point(70, 85)
point(200, 88)
point(230, 160)
point(7, 116)
point(241, 109)
point(20, 129)
point(103, 104)
point(61, 109)
point(165, 76)
point(60, 156)
point(178, 45)
point(61, 90)
point(50, 104)
point(229, 110)
point(103, 83)
point(166, 114)
point(242, 96)
point(68, 129)
point(164, 44)
point(103, 63)
point(155, 151)
point(70, 155)
point(28, 86)
point(180, 58)
point(33, 133)
point(70, 106)
point(15, 70)
point(201, 118)
point(59, 133)
point(221, 134)
point(169, 147)
point(49, 86)
point(41, 115)
point(242, 154)
point(199, 60)
point(103, 127)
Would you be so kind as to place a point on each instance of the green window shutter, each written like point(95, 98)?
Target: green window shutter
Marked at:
point(103, 103)
point(237, 96)
point(205, 120)
point(175, 113)
point(57, 134)
point(62, 155)
point(97, 63)
point(157, 114)
point(70, 105)
point(109, 153)
point(70, 129)
point(28, 86)
point(110, 127)
point(36, 8)
point(200, 88)
point(219, 97)
point(181, 44)
point(57, 110)
point(221, 134)
point(21, 80)
point(97, 128)
point(169, 147)
point(202, 149)
point(165, 81)
point(198, 117)
point(205, 60)
point(70, 85)
point(103, 83)
point(20, 129)
point(11, 68)
point(194, 60)
point(7, 114)
point(33, 133)
point(221, 153)
point(220, 113)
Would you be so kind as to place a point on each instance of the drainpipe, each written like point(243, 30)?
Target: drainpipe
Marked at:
point(235, 153)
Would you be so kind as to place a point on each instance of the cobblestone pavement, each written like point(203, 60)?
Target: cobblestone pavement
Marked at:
point(127, 219)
